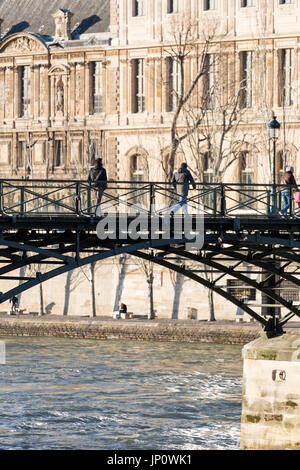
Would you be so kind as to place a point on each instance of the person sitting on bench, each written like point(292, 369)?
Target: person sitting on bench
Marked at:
point(123, 309)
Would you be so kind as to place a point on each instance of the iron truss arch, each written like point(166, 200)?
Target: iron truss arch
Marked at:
point(65, 250)
point(52, 223)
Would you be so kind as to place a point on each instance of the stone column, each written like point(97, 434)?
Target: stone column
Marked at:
point(271, 394)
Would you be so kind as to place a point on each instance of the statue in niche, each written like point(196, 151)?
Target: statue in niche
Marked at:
point(60, 98)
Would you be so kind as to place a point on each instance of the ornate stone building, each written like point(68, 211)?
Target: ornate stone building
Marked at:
point(74, 83)
point(53, 89)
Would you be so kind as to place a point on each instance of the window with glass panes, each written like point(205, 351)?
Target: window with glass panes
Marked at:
point(173, 71)
point(289, 291)
point(283, 2)
point(239, 290)
point(58, 153)
point(247, 179)
point(139, 7)
point(97, 87)
point(173, 6)
point(247, 79)
point(208, 177)
point(248, 3)
point(137, 174)
point(210, 4)
point(21, 155)
point(285, 77)
point(25, 90)
point(138, 68)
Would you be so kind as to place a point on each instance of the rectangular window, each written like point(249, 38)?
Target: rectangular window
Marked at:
point(247, 79)
point(139, 8)
point(210, 4)
point(138, 70)
point(289, 291)
point(284, 2)
point(238, 289)
point(209, 198)
point(174, 6)
point(209, 97)
point(247, 180)
point(25, 90)
point(285, 64)
point(247, 3)
point(173, 83)
point(21, 155)
point(58, 153)
point(97, 87)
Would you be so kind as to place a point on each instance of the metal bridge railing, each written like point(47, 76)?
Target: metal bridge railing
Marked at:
point(65, 197)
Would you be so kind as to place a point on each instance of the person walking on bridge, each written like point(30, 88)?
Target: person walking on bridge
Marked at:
point(98, 179)
point(181, 180)
point(287, 179)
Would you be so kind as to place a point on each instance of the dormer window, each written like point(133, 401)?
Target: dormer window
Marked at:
point(62, 25)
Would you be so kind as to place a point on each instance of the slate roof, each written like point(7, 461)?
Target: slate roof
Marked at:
point(89, 16)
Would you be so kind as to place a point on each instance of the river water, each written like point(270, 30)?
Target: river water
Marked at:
point(79, 394)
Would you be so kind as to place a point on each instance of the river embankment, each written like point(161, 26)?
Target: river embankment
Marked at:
point(102, 328)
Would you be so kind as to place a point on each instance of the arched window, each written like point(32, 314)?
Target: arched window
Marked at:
point(136, 168)
point(246, 177)
point(137, 173)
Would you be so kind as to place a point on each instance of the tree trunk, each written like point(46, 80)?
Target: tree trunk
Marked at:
point(92, 286)
point(150, 296)
point(210, 295)
point(41, 299)
point(211, 305)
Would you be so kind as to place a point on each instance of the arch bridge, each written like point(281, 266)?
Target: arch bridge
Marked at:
point(247, 251)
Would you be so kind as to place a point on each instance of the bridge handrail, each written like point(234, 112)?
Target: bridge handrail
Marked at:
point(45, 196)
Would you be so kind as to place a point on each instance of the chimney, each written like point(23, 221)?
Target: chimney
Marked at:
point(62, 19)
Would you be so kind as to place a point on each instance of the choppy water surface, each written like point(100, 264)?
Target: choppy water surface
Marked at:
point(79, 394)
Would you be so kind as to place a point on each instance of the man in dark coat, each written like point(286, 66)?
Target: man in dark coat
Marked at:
point(181, 180)
point(287, 179)
point(98, 179)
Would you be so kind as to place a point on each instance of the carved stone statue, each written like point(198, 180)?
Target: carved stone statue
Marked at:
point(60, 98)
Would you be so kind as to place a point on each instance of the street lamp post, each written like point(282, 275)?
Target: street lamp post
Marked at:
point(274, 127)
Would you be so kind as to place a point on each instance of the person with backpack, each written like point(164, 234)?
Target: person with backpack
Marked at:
point(98, 180)
point(181, 180)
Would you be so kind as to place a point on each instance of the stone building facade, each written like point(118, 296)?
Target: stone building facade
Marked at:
point(75, 84)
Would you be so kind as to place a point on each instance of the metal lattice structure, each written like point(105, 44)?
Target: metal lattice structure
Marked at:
point(53, 223)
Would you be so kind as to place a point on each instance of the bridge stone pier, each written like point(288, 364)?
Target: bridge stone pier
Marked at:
point(271, 394)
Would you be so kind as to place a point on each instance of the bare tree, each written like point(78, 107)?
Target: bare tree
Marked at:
point(185, 47)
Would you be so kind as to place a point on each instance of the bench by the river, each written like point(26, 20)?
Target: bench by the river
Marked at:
point(127, 315)
point(123, 315)
point(17, 311)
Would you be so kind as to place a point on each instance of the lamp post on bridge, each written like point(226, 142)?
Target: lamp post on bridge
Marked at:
point(274, 127)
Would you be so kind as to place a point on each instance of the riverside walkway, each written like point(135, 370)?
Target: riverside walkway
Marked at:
point(106, 328)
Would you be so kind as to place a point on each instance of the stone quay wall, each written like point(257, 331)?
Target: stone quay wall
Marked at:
point(140, 330)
